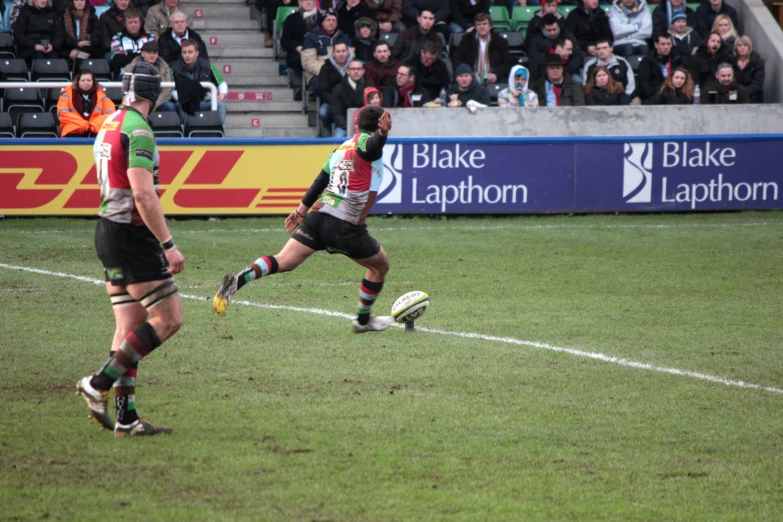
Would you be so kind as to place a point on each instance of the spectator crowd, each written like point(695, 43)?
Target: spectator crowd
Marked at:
point(417, 53)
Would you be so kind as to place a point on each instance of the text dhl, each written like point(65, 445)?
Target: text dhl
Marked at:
point(53, 180)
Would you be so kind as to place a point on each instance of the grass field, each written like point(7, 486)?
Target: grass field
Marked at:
point(570, 368)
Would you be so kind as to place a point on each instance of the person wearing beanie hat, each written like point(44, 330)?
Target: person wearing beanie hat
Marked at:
point(663, 14)
point(685, 39)
point(466, 88)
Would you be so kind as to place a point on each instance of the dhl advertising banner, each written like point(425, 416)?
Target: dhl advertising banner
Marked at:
point(57, 179)
point(421, 175)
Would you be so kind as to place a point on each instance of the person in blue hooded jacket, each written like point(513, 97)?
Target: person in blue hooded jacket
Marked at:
point(518, 94)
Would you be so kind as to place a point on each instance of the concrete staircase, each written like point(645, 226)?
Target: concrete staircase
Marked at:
point(266, 106)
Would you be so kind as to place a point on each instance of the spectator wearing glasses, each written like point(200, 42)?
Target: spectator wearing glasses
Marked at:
point(349, 94)
point(158, 18)
point(404, 92)
point(170, 40)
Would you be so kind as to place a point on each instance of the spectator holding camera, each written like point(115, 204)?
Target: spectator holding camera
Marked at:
point(38, 32)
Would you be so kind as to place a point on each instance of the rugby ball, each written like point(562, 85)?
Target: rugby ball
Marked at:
point(410, 306)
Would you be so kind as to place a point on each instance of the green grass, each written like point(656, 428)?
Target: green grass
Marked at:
point(284, 414)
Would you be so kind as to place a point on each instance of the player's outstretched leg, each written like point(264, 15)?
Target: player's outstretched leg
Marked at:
point(263, 266)
point(372, 284)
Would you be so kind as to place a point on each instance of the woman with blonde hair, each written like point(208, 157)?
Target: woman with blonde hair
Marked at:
point(82, 107)
point(602, 89)
point(750, 69)
point(38, 32)
point(725, 28)
point(677, 89)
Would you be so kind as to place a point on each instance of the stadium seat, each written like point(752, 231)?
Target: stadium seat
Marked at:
point(694, 5)
point(277, 33)
point(18, 101)
point(494, 89)
point(635, 61)
point(52, 97)
point(500, 19)
point(40, 125)
point(15, 70)
point(166, 125)
point(565, 9)
point(389, 38)
point(605, 7)
point(456, 38)
point(515, 44)
point(6, 126)
point(7, 46)
point(47, 70)
point(114, 94)
point(204, 125)
point(521, 16)
point(100, 68)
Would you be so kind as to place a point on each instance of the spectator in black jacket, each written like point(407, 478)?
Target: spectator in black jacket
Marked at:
point(432, 74)
point(685, 39)
point(410, 41)
point(536, 25)
point(169, 40)
point(663, 15)
point(557, 89)
point(708, 11)
point(295, 28)
point(38, 31)
point(466, 88)
point(749, 69)
point(329, 77)
point(403, 91)
point(602, 89)
point(349, 13)
point(463, 13)
point(539, 44)
point(79, 22)
point(111, 22)
point(656, 67)
point(677, 89)
point(498, 61)
point(588, 22)
point(704, 62)
point(411, 10)
point(724, 89)
point(348, 94)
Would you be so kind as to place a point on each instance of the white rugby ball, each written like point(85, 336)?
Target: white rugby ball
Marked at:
point(410, 306)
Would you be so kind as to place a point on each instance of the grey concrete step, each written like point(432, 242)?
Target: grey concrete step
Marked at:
point(245, 66)
point(229, 39)
point(253, 120)
point(263, 106)
point(272, 132)
point(259, 82)
point(205, 25)
point(216, 52)
point(238, 11)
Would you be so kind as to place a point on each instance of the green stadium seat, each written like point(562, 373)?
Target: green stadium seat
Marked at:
point(565, 9)
point(282, 14)
point(694, 5)
point(500, 19)
point(605, 7)
point(651, 7)
point(521, 16)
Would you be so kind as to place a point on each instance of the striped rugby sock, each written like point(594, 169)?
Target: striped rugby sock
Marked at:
point(368, 293)
point(138, 344)
point(125, 397)
point(263, 266)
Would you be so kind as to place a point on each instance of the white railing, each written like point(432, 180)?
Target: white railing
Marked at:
point(60, 84)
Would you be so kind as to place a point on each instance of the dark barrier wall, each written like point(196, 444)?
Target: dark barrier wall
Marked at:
point(421, 176)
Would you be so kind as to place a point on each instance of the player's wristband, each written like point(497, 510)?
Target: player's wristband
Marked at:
point(299, 214)
point(168, 245)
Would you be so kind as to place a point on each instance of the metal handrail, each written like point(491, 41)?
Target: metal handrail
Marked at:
point(50, 85)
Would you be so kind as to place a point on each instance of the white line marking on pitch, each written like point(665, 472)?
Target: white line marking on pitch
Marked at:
point(477, 227)
point(467, 335)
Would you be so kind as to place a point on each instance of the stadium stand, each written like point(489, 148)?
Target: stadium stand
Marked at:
point(15, 70)
point(37, 125)
point(203, 125)
point(50, 70)
point(166, 125)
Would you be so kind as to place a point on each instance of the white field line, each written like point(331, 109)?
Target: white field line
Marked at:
point(467, 335)
point(477, 227)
